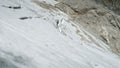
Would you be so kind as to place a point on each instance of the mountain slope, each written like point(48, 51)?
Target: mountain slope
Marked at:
point(34, 37)
point(96, 18)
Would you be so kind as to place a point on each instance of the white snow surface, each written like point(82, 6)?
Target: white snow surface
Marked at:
point(38, 42)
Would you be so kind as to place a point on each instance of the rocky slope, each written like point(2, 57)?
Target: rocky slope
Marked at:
point(37, 34)
point(97, 17)
point(113, 5)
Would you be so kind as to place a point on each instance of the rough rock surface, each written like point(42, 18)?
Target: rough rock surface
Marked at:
point(111, 4)
point(96, 18)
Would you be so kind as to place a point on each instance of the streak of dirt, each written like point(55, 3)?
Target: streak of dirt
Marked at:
point(44, 5)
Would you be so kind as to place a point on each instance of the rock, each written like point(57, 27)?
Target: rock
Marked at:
point(97, 19)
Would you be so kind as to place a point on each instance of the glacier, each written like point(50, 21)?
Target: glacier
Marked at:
point(30, 37)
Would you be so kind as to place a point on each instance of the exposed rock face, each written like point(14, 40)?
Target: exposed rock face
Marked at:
point(96, 18)
point(111, 4)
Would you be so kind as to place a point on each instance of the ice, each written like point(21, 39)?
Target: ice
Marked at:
point(36, 42)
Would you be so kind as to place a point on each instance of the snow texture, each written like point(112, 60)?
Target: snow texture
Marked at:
point(30, 37)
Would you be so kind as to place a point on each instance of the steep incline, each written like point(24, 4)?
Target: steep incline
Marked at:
point(34, 37)
point(96, 18)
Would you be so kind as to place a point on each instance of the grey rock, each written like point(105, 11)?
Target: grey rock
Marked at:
point(97, 19)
